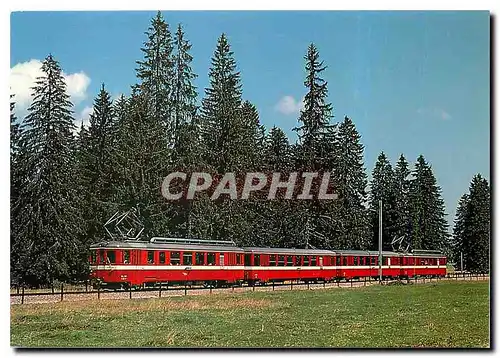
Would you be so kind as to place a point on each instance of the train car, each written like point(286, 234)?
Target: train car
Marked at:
point(280, 264)
point(357, 263)
point(423, 263)
point(166, 260)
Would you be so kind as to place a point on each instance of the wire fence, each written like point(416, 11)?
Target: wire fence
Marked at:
point(67, 292)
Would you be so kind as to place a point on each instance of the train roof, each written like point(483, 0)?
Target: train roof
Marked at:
point(287, 251)
point(138, 244)
point(367, 253)
point(163, 246)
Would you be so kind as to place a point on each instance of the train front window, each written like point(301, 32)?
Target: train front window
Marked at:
point(151, 257)
point(93, 256)
point(187, 258)
point(175, 258)
point(110, 257)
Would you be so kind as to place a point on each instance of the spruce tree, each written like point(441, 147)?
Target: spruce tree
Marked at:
point(48, 223)
point(97, 168)
point(183, 90)
point(220, 111)
point(402, 187)
point(317, 112)
point(428, 223)
point(140, 161)
point(156, 74)
point(476, 227)
point(14, 184)
point(457, 242)
point(382, 187)
point(351, 180)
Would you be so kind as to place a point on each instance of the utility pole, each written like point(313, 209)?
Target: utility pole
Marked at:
point(380, 240)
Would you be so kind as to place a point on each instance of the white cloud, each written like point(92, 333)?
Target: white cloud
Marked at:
point(23, 76)
point(445, 115)
point(434, 112)
point(288, 105)
point(83, 117)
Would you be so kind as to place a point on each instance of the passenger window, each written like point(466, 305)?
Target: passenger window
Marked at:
point(162, 257)
point(151, 257)
point(126, 256)
point(187, 258)
point(101, 257)
point(111, 257)
point(313, 260)
point(281, 260)
point(248, 259)
point(298, 260)
point(289, 260)
point(200, 258)
point(93, 256)
point(345, 261)
point(256, 260)
point(175, 258)
point(210, 258)
point(238, 259)
point(272, 260)
point(338, 261)
point(373, 260)
point(306, 261)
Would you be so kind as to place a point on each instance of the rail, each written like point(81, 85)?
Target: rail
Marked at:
point(21, 296)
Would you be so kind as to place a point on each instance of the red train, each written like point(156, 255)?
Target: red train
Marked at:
point(170, 260)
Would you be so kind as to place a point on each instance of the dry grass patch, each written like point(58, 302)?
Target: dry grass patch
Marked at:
point(117, 307)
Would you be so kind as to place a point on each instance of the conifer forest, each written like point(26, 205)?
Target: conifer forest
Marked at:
point(66, 182)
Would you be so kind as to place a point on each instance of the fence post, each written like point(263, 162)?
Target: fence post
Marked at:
point(308, 284)
point(338, 283)
point(99, 291)
point(130, 291)
point(253, 286)
point(365, 281)
point(351, 282)
point(232, 288)
point(324, 284)
point(17, 289)
point(273, 285)
point(22, 296)
point(291, 284)
point(159, 293)
point(185, 289)
point(52, 286)
point(62, 291)
point(210, 289)
point(87, 286)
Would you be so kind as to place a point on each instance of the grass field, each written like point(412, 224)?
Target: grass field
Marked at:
point(445, 314)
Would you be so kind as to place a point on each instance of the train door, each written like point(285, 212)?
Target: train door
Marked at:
point(338, 264)
point(221, 259)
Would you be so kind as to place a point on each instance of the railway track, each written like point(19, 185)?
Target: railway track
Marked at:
point(49, 297)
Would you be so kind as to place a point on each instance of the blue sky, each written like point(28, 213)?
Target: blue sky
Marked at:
point(413, 82)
